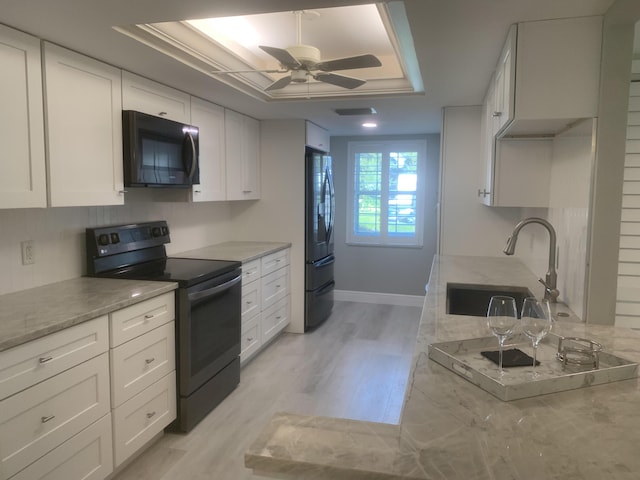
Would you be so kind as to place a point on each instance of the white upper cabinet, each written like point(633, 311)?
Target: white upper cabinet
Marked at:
point(209, 118)
point(502, 112)
point(152, 98)
point(22, 168)
point(317, 137)
point(546, 79)
point(84, 129)
point(242, 135)
point(557, 74)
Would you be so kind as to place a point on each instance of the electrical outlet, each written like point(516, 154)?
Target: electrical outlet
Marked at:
point(28, 253)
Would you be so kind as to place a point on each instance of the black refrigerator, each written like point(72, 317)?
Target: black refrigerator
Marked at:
point(319, 222)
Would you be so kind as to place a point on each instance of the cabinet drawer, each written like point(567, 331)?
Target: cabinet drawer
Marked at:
point(38, 419)
point(142, 317)
point(87, 455)
point(250, 341)
point(274, 261)
point(250, 300)
point(152, 98)
point(274, 319)
point(142, 361)
point(250, 271)
point(275, 286)
point(33, 362)
point(138, 420)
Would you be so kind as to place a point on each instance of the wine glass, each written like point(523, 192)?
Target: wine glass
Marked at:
point(502, 317)
point(536, 322)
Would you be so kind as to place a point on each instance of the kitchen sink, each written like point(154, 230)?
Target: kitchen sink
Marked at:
point(472, 299)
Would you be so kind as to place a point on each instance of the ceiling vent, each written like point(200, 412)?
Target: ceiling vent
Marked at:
point(347, 112)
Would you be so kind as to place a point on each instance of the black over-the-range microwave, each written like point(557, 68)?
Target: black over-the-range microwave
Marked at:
point(158, 152)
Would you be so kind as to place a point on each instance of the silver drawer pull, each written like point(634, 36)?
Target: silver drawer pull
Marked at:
point(278, 286)
point(149, 360)
point(162, 114)
point(249, 302)
point(278, 318)
point(250, 339)
point(278, 260)
point(151, 414)
point(497, 114)
point(149, 316)
point(46, 419)
point(45, 359)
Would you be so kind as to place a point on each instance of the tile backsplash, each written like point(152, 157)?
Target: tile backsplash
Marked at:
point(59, 243)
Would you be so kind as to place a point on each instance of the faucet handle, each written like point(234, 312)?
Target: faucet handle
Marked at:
point(550, 294)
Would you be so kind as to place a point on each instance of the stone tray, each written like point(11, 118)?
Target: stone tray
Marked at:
point(463, 358)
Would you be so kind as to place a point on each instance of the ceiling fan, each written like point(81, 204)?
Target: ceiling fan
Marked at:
point(304, 61)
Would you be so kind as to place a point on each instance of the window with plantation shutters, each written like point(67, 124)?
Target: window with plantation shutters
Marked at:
point(385, 198)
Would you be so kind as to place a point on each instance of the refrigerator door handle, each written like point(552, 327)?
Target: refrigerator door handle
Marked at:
point(329, 186)
point(325, 261)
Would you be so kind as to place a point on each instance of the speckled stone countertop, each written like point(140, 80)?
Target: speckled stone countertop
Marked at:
point(239, 251)
point(36, 312)
point(451, 429)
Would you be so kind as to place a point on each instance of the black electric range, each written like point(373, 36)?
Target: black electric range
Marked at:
point(208, 312)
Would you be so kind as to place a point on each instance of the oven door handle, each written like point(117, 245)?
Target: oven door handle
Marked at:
point(209, 292)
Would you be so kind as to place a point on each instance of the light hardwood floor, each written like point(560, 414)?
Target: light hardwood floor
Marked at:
point(355, 365)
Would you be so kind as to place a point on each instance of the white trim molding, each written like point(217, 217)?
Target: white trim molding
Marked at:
point(379, 298)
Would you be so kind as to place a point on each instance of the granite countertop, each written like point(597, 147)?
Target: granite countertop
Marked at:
point(451, 429)
point(36, 312)
point(238, 251)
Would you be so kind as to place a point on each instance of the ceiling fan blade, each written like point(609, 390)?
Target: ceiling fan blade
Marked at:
point(219, 72)
point(349, 63)
point(340, 80)
point(284, 57)
point(278, 84)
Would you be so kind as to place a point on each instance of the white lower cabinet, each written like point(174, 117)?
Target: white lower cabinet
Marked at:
point(38, 419)
point(142, 417)
point(74, 405)
point(265, 301)
point(87, 456)
point(143, 378)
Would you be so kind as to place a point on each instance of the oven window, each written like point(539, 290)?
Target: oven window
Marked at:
point(215, 330)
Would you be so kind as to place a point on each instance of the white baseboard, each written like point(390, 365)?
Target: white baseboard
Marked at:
point(380, 298)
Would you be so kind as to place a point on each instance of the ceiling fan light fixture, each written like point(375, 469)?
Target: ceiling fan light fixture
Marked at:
point(299, 76)
point(369, 125)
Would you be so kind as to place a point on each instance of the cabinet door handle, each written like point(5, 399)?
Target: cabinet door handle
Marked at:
point(46, 419)
point(197, 191)
point(278, 286)
point(278, 318)
point(162, 114)
point(151, 414)
point(483, 192)
point(149, 316)
point(45, 359)
point(250, 339)
point(497, 114)
point(149, 360)
point(122, 192)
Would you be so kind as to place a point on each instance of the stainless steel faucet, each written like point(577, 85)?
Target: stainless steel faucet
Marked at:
point(551, 292)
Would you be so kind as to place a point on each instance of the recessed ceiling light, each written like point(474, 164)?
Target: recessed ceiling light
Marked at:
point(369, 125)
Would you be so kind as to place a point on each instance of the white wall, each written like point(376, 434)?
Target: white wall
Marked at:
point(58, 236)
point(470, 228)
point(466, 226)
point(279, 215)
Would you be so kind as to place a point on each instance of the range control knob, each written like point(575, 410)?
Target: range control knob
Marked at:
point(103, 239)
point(115, 238)
point(156, 232)
point(165, 230)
